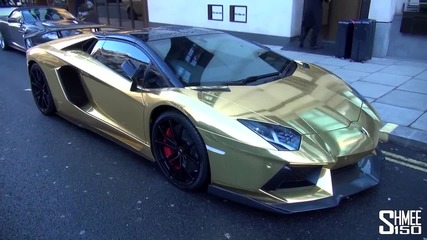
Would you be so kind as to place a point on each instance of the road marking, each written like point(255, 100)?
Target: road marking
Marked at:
point(406, 164)
point(405, 159)
point(27, 89)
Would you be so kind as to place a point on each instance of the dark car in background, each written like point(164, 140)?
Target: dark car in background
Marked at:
point(28, 26)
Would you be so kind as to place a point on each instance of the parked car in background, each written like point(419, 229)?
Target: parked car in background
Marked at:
point(28, 26)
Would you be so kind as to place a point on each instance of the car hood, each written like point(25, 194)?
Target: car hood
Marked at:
point(312, 100)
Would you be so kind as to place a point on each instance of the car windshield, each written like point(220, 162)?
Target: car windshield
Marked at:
point(46, 14)
point(219, 59)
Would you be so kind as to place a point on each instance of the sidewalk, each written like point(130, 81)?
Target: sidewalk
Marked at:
point(397, 89)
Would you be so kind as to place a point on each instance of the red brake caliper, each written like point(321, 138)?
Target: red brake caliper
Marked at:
point(169, 151)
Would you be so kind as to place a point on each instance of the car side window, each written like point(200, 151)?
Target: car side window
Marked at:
point(16, 15)
point(114, 53)
point(30, 17)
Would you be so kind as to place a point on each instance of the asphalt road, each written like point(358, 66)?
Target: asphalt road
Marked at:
point(58, 181)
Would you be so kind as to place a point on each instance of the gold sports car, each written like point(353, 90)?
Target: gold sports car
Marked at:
point(215, 111)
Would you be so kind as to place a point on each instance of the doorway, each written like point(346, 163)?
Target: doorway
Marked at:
point(338, 10)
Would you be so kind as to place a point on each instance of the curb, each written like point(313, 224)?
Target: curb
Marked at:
point(404, 136)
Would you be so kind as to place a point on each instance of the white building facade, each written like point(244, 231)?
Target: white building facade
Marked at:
point(279, 21)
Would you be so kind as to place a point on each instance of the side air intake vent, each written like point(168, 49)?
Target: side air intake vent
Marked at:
point(72, 83)
point(293, 177)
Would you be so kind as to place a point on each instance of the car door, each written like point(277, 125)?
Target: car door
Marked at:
point(16, 29)
point(111, 94)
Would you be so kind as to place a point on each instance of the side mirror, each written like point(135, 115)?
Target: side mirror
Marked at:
point(133, 72)
point(129, 68)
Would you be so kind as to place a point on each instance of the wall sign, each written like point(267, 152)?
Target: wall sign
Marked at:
point(238, 13)
point(215, 12)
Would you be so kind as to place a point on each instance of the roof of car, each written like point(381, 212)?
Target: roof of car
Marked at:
point(164, 32)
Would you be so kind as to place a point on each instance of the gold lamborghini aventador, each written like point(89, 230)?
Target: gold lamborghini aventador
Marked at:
point(215, 111)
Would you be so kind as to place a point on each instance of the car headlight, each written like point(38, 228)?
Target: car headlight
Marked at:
point(280, 137)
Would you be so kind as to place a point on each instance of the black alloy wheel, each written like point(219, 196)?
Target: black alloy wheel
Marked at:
point(180, 151)
point(3, 42)
point(41, 92)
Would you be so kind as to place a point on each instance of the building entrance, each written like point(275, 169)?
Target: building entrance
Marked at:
point(338, 10)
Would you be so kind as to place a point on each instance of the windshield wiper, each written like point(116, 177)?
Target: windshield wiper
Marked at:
point(251, 79)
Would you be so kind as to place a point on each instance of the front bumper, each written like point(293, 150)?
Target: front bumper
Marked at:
point(346, 181)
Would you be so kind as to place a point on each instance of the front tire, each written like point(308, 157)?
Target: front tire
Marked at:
point(3, 42)
point(180, 151)
point(41, 91)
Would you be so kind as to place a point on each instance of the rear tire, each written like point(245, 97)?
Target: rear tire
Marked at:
point(41, 91)
point(180, 151)
point(3, 42)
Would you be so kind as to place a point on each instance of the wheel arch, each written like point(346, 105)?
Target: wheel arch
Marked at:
point(158, 111)
point(30, 64)
point(49, 106)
